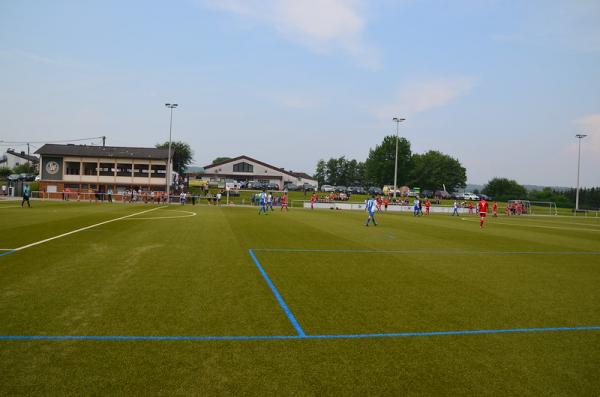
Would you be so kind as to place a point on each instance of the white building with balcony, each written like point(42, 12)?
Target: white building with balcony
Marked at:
point(100, 168)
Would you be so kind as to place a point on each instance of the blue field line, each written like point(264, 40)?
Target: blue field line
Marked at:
point(426, 252)
point(291, 337)
point(8, 252)
point(282, 303)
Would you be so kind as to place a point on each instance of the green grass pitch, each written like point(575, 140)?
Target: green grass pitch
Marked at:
point(387, 310)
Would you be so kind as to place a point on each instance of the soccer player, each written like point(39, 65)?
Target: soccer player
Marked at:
point(416, 207)
point(482, 206)
point(386, 202)
point(270, 201)
point(370, 208)
point(378, 203)
point(495, 209)
point(427, 205)
point(455, 209)
point(284, 202)
point(470, 207)
point(263, 203)
point(25, 196)
point(313, 198)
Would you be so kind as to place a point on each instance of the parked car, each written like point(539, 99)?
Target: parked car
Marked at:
point(308, 187)
point(375, 190)
point(356, 190)
point(13, 177)
point(327, 189)
point(290, 187)
point(458, 196)
point(272, 186)
point(485, 197)
point(427, 193)
point(340, 189)
point(470, 196)
point(255, 185)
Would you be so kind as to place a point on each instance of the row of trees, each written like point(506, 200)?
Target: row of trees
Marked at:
point(26, 168)
point(429, 170)
point(503, 189)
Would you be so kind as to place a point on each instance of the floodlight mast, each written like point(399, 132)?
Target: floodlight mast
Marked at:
point(579, 137)
point(397, 120)
point(170, 106)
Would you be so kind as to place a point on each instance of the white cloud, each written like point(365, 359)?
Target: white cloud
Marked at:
point(321, 25)
point(422, 96)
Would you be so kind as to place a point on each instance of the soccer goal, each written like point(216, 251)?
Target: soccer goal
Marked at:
point(527, 207)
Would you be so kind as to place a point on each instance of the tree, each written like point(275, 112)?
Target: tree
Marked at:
point(379, 166)
point(5, 171)
point(25, 168)
point(339, 171)
point(504, 189)
point(182, 154)
point(220, 159)
point(433, 170)
point(321, 172)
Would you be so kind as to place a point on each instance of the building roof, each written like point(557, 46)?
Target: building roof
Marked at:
point(244, 157)
point(24, 156)
point(104, 151)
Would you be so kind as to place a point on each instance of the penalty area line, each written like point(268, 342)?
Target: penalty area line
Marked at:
point(76, 231)
point(291, 337)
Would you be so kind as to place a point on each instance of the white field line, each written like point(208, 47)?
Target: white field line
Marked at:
point(8, 206)
point(596, 224)
point(82, 229)
point(539, 226)
point(166, 217)
point(6, 249)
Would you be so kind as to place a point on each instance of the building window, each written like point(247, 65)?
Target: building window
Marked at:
point(243, 167)
point(72, 168)
point(158, 171)
point(124, 169)
point(107, 169)
point(89, 168)
point(140, 170)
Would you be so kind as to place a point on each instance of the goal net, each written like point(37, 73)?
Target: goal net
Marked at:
point(527, 207)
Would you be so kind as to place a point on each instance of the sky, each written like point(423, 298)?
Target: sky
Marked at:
point(503, 86)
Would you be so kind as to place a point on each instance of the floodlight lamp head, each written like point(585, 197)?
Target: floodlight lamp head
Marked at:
point(398, 119)
point(580, 136)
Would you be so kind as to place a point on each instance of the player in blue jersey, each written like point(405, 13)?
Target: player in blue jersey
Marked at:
point(370, 208)
point(262, 202)
point(25, 196)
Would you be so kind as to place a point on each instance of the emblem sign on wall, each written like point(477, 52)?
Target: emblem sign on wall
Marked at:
point(52, 168)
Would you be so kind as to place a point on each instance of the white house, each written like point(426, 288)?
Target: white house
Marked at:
point(12, 159)
point(244, 168)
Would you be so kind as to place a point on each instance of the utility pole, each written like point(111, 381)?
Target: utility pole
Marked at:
point(171, 106)
point(580, 137)
point(398, 121)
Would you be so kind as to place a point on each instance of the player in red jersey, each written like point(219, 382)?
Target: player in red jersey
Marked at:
point(284, 202)
point(313, 198)
point(483, 208)
point(427, 205)
point(495, 209)
point(378, 202)
point(470, 207)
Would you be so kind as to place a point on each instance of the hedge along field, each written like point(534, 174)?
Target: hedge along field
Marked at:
point(188, 300)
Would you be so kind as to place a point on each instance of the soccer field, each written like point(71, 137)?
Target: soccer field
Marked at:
point(140, 299)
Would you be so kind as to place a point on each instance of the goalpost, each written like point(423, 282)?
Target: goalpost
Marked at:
point(535, 207)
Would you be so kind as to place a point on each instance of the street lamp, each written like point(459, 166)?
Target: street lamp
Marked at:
point(398, 121)
point(171, 106)
point(580, 137)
